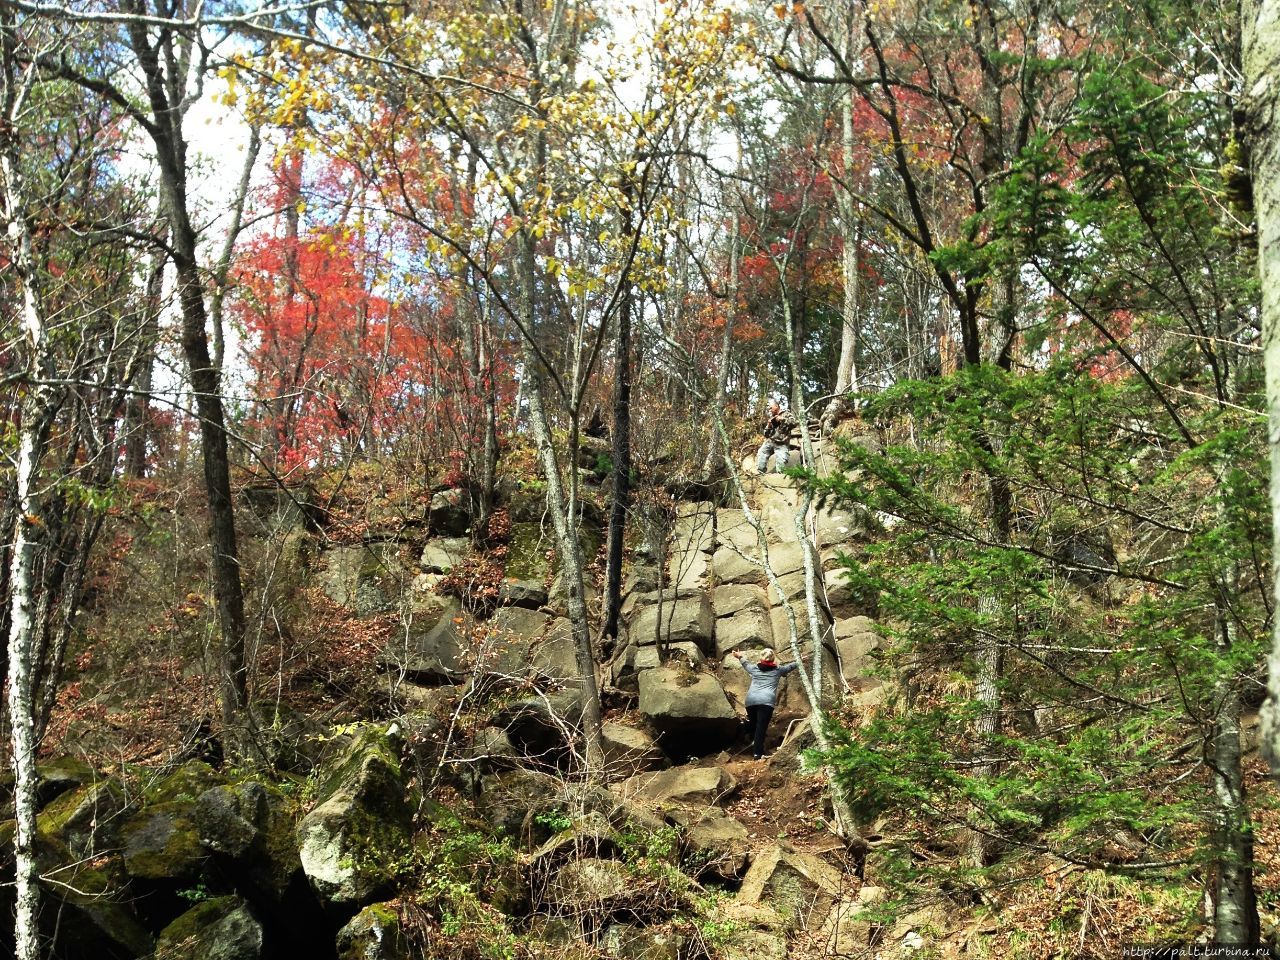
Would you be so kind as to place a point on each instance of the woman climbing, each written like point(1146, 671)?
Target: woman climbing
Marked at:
point(763, 694)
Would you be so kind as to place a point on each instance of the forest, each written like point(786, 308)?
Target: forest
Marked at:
point(422, 425)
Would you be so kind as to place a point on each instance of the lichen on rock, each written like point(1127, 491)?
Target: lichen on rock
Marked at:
point(352, 839)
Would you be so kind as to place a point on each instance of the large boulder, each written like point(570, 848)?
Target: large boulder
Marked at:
point(793, 586)
point(748, 629)
point(492, 749)
point(781, 623)
point(689, 709)
point(755, 931)
point(734, 680)
point(84, 910)
point(530, 641)
point(160, 840)
point(56, 777)
point(558, 595)
point(850, 927)
point(838, 590)
point(442, 554)
point(735, 598)
point(375, 933)
point(223, 928)
point(856, 638)
point(694, 540)
point(590, 885)
point(366, 578)
point(787, 558)
point(778, 512)
point(687, 618)
point(528, 546)
point(520, 803)
point(275, 507)
point(738, 565)
point(162, 843)
point(629, 750)
point(733, 528)
point(800, 886)
point(647, 658)
point(590, 834)
point(433, 656)
point(840, 525)
point(702, 786)
point(715, 844)
point(628, 941)
point(359, 826)
point(427, 606)
point(450, 513)
point(249, 828)
point(515, 592)
point(539, 728)
point(87, 820)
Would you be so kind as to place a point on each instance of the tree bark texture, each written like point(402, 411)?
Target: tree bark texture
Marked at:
point(564, 521)
point(1260, 37)
point(165, 130)
point(38, 405)
point(621, 502)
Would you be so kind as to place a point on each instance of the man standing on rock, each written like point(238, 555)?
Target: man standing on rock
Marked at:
point(777, 438)
point(762, 696)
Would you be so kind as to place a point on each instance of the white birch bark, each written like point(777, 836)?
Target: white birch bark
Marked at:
point(847, 369)
point(37, 406)
point(847, 366)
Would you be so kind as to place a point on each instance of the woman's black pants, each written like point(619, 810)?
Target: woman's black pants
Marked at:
point(758, 717)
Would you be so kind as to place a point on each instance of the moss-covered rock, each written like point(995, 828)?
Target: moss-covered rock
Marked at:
point(450, 513)
point(527, 549)
point(521, 804)
point(525, 502)
point(223, 928)
point(749, 932)
point(590, 885)
point(426, 653)
point(373, 934)
point(366, 578)
point(162, 842)
point(57, 776)
point(230, 817)
point(84, 910)
point(352, 841)
point(630, 942)
point(250, 826)
point(184, 783)
point(798, 885)
point(87, 820)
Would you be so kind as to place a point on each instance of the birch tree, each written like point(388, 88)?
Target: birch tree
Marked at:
point(39, 405)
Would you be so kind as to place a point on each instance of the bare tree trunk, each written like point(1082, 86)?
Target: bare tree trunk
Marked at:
point(138, 407)
point(851, 236)
point(726, 347)
point(1235, 900)
point(1260, 36)
point(22, 623)
point(564, 521)
point(222, 269)
point(1235, 904)
point(621, 469)
point(165, 130)
point(38, 406)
